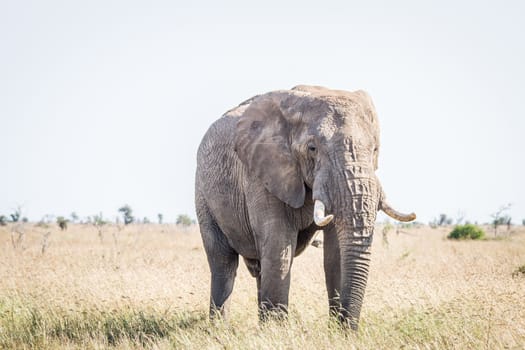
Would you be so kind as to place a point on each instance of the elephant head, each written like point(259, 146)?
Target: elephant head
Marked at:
point(327, 141)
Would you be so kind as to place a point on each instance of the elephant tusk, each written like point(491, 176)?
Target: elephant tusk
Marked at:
point(394, 214)
point(319, 217)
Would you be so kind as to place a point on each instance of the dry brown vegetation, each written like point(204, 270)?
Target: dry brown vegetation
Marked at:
point(148, 286)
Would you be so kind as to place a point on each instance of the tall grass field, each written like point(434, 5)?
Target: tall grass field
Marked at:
point(147, 286)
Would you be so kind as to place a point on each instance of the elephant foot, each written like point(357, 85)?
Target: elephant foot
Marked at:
point(348, 322)
point(270, 312)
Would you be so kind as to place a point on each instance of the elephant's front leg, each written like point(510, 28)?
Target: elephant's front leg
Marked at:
point(275, 237)
point(274, 285)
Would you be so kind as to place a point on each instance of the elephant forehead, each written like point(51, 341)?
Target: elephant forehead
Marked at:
point(349, 125)
point(327, 129)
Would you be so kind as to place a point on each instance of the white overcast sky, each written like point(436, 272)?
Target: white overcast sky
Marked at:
point(104, 103)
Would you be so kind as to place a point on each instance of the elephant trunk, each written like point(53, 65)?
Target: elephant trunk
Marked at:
point(355, 261)
point(355, 231)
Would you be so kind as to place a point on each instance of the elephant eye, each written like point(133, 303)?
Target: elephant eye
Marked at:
point(311, 147)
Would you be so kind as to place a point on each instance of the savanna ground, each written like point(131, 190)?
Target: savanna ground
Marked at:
point(147, 286)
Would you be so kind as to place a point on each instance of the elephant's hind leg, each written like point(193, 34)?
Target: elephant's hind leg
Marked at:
point(223, 262)
point(222, 280)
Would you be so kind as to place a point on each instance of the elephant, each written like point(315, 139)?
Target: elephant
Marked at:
point(274, 170)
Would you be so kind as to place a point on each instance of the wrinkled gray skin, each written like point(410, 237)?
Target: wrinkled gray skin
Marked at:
point(259, 169)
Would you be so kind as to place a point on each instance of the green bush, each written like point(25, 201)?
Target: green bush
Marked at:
point(467, 231)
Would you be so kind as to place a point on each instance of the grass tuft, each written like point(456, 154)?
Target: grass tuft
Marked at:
point(35, 325)
point(520, 271)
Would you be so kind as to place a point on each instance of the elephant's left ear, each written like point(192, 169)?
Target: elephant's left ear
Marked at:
point(262, 143)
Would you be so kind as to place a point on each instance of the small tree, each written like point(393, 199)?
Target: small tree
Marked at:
point(160, 217)
point(499, 218)
point(62, 223)
point(184, 220)
point(444, 220)
point(3, 220)
point(16, 215)
point(127, 214)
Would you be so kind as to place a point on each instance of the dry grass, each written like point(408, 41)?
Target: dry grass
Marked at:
point(147, 287)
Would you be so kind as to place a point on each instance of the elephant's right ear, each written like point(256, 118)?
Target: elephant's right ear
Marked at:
point(262, 143)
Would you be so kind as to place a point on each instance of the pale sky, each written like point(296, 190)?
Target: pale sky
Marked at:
point(104, 103)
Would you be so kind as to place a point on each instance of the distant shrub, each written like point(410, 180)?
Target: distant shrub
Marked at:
point(3, 220)
point(127, 212)
point(15, 216)
point(62, 223)
point(442, 220)
point(467, 231)
point(97, 220)
point(184, 220)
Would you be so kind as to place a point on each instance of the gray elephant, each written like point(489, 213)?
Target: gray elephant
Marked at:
point(268, 173)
